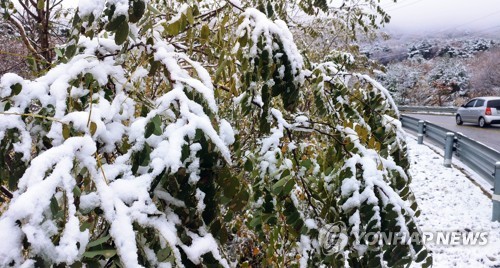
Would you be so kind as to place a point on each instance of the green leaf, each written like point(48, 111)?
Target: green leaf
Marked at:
point(92, 263)
point(66, 131)
point(98, 242)
point(16, 89)
point(157, 124)
point(405, 191)
point(93, 128)
point(414, 206)
point(227, 218)
point(85, 226)
point(421, 256)
point(137, 11)
point(298, 225)
point(428, 262)
point(77, 264)
point(288, 186)
point(164, 254)
point(219, 70)
point(89, 78)
point(153, 127)
point(32, 63)
point(70, 51)
point(230, 187)
point(278, 186)
point(77, 192)
point(54, 206)
point(255, 222)
point(272, 220)
point(58, 52)
point(306, 163)
point(154, 10)
point(173, 28)
point(122, 33)
point(189, 15)
point(183, 22)
point(243, 40)
point(417, 213)
point(205, 32)
point(144, 156)
point(107, 253)
point(349, 146)
point(240, 200)
point(293, 218)
point(154, 67)
point(116, 23)
point(40, 4)
point(285, 173)
point(249, 165)
point(150, 128)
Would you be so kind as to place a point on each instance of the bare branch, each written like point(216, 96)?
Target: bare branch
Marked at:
point(54, 5)
point(27, 9)
point(24, 37)
point(6, 192)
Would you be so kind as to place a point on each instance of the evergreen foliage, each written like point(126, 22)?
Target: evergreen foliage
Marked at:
point(197, 134)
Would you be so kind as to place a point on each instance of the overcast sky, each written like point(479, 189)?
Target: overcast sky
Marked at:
point(444, 15)
point(436, 16)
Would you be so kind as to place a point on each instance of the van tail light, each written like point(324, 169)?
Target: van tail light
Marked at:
point(488, 111)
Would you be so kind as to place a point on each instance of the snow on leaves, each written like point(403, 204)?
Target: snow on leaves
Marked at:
point(131, 156)
point(93, 116)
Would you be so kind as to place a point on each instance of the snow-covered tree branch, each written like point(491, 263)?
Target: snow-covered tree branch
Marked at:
point(197, 134)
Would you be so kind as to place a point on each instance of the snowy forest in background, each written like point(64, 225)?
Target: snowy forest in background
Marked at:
point(437, 71)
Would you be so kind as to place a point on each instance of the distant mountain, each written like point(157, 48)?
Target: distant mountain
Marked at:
point(402, 47)
point(437, 70)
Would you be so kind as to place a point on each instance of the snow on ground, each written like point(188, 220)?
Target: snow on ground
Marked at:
point(451, 203)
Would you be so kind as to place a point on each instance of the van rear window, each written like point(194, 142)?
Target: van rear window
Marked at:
point(494, 104)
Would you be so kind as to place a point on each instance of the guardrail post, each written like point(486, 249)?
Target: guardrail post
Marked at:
point(496, 193)
point(421, 132)
point(448, 148)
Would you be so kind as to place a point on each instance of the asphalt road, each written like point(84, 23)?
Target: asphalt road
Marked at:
point(489, 135)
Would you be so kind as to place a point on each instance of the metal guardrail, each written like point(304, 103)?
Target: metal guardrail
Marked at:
point(428, 109)
point(409, 122)
point(475, 155)
point(484, 160)
point(435, 133)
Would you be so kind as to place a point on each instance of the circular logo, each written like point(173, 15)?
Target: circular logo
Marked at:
point(333, 238)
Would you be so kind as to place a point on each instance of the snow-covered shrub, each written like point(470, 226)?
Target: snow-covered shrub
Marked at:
point(402, 80)
point(485, 73)
point(477, 45)
point(448, 77)
point(422, 49)
point(196, 134)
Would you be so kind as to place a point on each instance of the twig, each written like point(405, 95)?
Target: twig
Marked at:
point(306, 189)
point(6, 192)
point(237, 7)
point(25, 39)
point(34, 115)
point(27, 9)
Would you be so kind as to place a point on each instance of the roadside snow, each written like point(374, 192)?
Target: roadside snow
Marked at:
point(450, 202)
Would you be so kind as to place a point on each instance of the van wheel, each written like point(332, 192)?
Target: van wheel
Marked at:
point(482, 122)
point(458, 119)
